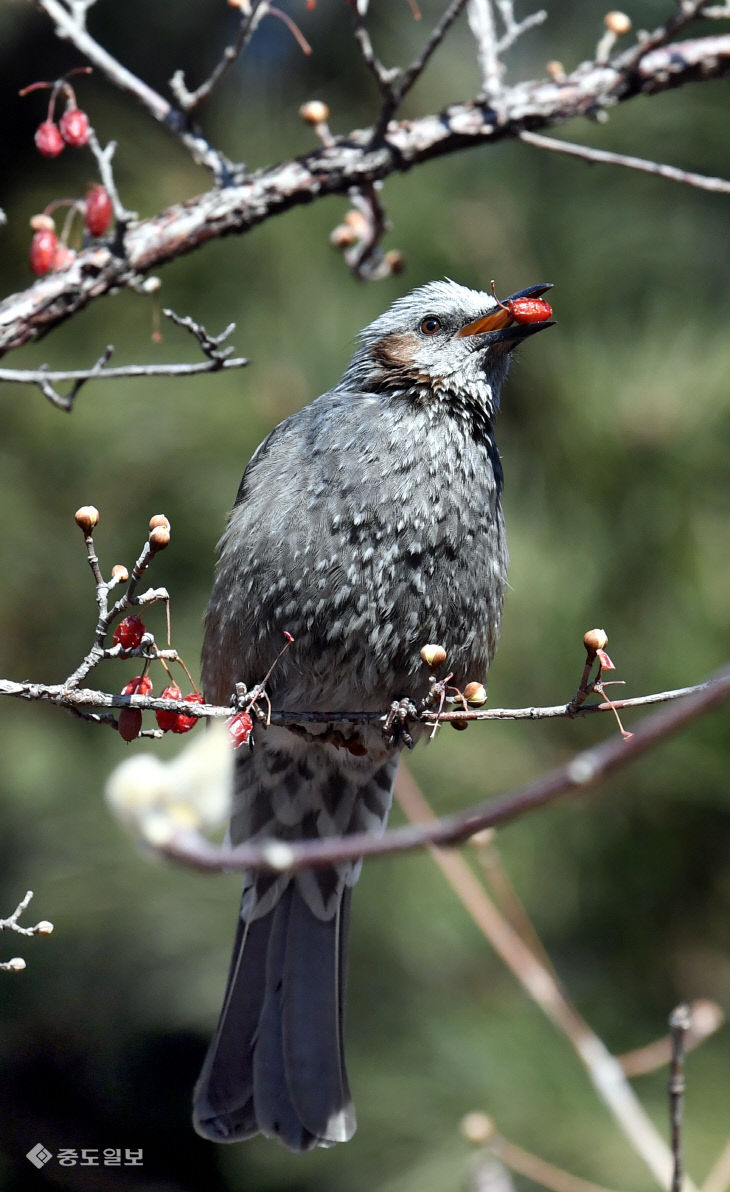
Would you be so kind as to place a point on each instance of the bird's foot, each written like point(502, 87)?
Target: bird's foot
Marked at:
point(395, 729)
point(255, 701)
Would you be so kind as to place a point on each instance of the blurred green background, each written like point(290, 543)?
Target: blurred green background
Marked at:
point(615, 435)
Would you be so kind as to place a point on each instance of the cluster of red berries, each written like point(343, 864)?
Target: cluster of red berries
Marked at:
point(47, 252)
point(73, 126)
point(128, 634)
point(72, 129)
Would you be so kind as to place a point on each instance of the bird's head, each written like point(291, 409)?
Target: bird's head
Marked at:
point(446, 341)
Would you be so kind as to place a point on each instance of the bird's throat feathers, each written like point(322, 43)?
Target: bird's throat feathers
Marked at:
point(390, 366)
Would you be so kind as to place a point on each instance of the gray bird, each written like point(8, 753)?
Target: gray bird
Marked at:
point(366, 525)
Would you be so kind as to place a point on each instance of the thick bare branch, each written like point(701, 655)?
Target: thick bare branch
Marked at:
point(350, 161)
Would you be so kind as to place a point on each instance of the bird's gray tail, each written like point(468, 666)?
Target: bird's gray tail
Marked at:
point(276, 1063)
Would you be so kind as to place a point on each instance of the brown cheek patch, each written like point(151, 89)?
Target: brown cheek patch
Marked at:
point(396, 351)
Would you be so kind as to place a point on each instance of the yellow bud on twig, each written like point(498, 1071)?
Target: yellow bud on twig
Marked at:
point(475, 693)
point(86, 518)
point(433, 655)
point(595, 639)
point(617, 22)
point(315, 111)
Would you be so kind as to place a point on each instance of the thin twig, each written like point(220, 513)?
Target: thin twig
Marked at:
point(17, 964)
point(604, 157)
point(71, 28)
point(706, 1017)
point(679, 1023)
point(189, 100)
point(395, 86)
point(540, 983)
point(47, 379)
point(538, 1170)
point(489, 45)
point(685, 11)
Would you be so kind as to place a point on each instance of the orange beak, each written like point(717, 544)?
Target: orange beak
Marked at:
point(495, 321)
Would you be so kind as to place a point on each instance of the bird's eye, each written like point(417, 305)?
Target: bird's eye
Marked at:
point(430, 325)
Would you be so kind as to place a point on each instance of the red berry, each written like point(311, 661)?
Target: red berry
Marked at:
point(185, 723)
point(98, 212)
point(168, 720)
point(74, 126)
point(129, 633)
point(130, 723)
point(43, 251)
point(63, 257)
point(48, 139)
point(130, 719)
point(530, 310)
point(139, 685)
point(240, 728)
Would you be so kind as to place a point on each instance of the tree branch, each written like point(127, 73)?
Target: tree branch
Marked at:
point(68, 695)
point(350, 161)
point(246, 29)
point(70, 27)
point(17, 964)
point(47, 379)
point(582, 772)
point(604, 157)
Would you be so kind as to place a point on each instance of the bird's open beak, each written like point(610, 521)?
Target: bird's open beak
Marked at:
point(501, 319)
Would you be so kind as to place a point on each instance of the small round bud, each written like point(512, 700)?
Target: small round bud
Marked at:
point(151, 285)
point(357, 221)
point(120, 573)
point(44, 927)
point(159, 519)
point(476, 694)
point(159, 538)
point(433, 655)
point(16, 965)
point(314, 112)
point(460, 725)
point(617, 22)
point(482, 838)
point(342, 236)
point(556, 71)
point(595, 639)
point(86, 518)
point(395, 260)
point(42, 223)
point(477, 1127)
